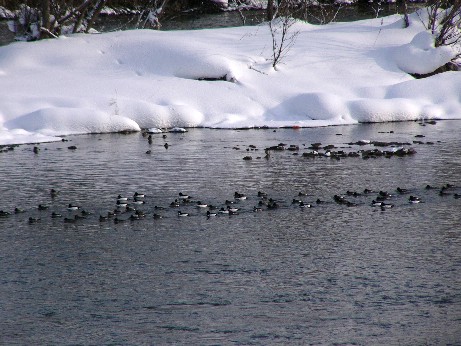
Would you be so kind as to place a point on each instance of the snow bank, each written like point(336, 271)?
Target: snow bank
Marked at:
point(341, 73)
point(421, 49)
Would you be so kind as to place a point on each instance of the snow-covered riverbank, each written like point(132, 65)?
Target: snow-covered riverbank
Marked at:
point(341, 73)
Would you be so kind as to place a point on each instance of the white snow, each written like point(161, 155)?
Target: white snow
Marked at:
point(340, 73)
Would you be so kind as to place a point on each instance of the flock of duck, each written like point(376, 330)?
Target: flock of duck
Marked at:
point(317, 150)
point(138, 206)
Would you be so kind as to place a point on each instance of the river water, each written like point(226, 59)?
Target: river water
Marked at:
point(327, 275)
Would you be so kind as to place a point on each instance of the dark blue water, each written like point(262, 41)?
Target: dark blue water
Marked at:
point(329, 274)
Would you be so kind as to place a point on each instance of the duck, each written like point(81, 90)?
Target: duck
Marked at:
point(4, 213)
point(103, 218)
point(34, 219)
point(301, 193)
point(137, 201)
point(319, 201)
point(42, 207)
point(122, 199)
point(386, 206)
point(55, 215)
point(232, 209)
point(138, 195)
point(223, 211)
point(457, 196)
point(201, 205)
point(18, 210)
point(339, 199)
point(72, 207)
point(239, 196)
point(401, 191)
point(85, 212)
point(385, 194)
point(272, 205)
point(367, 191)
point(304, 205)
point(257, 209)
point(375, 203)
point(140, 213)
point(183, 196)
point(262, 194)
point(157, 216)
point(180, 213)
point(54, 193)
point(174, 204)
point(209, 214)
point(414, 199)
point(121, 204)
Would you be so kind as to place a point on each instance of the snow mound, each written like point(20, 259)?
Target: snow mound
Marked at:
point(421, 56)
point(65, 121)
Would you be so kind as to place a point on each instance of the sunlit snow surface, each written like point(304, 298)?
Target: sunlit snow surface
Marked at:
point(340, 73)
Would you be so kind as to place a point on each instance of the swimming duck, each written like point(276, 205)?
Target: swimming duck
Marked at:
point(53, 193)
point(157, 216)
point(386, 206)
point(70, 220)
point(55, 215)
point(262, 194)
point(182, 214)
point(42, 207)
point(376, 203)
point(18, 210)
point(4, 213)
point(103, 218)
point(183, 196)
point(174, 204)
point(414, 199)
point(232, 209)
point(304, 205)
point(121, 204)
point(223, 211)
point(385, 194)
point(401, 191)
point(201, 205)
point(138, 195)
point(72, 207)
point(209, 214)
point(239, 196)
point(137, 201)
point(257, 209)
point(272, 205)
point(34, 219)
